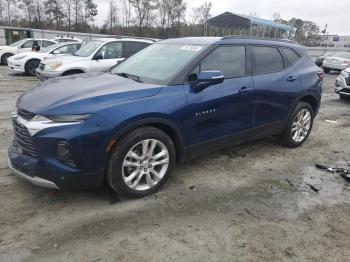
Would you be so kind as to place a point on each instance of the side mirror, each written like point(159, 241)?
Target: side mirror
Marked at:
point(207, 78)
point(98, 57)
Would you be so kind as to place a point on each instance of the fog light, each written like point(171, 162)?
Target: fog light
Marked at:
point(64, 154)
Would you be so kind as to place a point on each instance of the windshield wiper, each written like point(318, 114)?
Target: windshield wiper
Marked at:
point(130, 76)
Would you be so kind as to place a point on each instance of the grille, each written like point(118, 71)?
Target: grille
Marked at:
point(23, 140)
point(25, 114)
point(41, 66)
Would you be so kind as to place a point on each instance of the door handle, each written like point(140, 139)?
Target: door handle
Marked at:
point(244, 90)
point(292, 78)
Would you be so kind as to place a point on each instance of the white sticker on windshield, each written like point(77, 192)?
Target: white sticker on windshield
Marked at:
point(193, 48)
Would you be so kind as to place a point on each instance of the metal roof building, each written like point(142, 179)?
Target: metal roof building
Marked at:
point(235, 24)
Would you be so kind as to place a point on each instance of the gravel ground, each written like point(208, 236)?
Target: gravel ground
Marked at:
point(250, 203)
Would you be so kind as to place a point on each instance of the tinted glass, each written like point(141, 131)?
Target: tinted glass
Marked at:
point(230, 60)
point(267, 60)
point(131, 48)
point(111, 50)
point(290, 57)
point(159, 62)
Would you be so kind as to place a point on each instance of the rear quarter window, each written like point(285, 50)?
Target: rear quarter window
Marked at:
point(290, 57)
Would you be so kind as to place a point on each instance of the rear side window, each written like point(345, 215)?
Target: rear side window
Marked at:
point(290, 57)
point(267, 60)
point(131, 48)
point(230, 60)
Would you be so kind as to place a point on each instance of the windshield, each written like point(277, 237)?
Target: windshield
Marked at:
point(88, 48)
point(158, 63)
point(20, 42)
point(49, 48)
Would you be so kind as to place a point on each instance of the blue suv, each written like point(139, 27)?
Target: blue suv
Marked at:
point(172, 101)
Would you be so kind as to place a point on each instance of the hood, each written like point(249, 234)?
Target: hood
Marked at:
point(83, 93)
point(66, 59)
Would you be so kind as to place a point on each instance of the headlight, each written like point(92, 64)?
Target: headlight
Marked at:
point(69, 118)
point(39, 123)
point(19, 57)
point(54, 65)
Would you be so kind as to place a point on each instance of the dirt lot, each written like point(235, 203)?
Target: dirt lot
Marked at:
point(250, 203)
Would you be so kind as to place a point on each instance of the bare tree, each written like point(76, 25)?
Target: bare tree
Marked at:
point(204, 11)
point(68, 8)
point(142, 10)
point(112, 17)
point(126, 11)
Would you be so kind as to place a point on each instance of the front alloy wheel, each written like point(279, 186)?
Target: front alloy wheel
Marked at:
point(145, 164)
point(141, 162)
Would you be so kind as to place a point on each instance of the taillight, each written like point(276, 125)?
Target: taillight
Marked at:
point(320, 75)
point(347, 62)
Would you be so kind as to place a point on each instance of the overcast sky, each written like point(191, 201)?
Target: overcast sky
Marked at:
point(334, 13)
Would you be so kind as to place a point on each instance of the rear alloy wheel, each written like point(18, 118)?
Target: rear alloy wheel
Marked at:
point(4, 58)
point(141, 162)
point(31, 67)
point(299, 126)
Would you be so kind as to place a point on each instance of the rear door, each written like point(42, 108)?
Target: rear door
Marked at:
point(223, 109)
point(110, 54)
point(276, 83)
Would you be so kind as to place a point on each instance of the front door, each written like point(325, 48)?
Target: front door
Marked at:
point(224, 109)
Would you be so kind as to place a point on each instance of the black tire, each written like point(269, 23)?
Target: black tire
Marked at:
point(31, 66)
point(286, 138)
point(4, 58)
point(115, 169)
point(326, 70)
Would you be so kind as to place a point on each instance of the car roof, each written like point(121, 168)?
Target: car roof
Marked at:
point(105, 39)
point(236, 40)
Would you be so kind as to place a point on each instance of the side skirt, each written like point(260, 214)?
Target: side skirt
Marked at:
point(236, 139)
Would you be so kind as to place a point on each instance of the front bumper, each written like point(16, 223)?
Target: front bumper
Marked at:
point(44, 75)
point(341, 86)
point(34, 180)
point(16, 65)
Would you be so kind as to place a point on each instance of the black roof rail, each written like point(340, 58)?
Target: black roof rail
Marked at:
point(257, 38)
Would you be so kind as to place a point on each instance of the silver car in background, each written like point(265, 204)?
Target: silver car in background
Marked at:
point(338, 61)
point(342, 84)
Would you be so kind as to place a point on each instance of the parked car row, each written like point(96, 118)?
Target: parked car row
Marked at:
point(340, 62)
point(172, 101)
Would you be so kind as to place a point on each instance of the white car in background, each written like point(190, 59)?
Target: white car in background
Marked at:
point(21, 46)
point(28, 62)
point(95, 56)
point(61, 39)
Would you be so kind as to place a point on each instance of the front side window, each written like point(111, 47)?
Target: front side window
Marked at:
point(267, 60)
point(89, 48)
point(111, 51)
point(230, 60)
point(160, 62)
